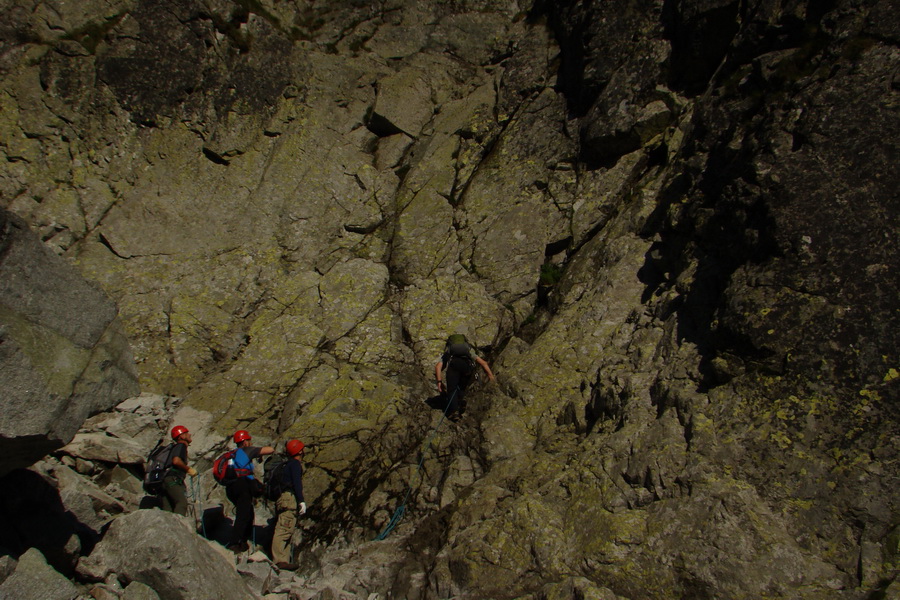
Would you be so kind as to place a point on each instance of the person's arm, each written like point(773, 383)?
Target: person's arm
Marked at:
point(296, 473)
point(266, 450)
point(437, 375)
point(486, 367)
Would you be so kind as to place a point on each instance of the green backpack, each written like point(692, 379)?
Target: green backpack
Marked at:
point(459, 351)
point(458, 346)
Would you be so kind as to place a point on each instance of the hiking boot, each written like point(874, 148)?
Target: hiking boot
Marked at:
point(286, 566)
point(239, 547)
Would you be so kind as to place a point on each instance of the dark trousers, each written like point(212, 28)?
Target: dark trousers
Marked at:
point(241, 495)
point(458, 378)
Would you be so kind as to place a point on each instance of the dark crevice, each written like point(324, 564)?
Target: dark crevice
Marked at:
point(380, 126)
point(554, 248)
point(571, 31)
point(699, 43)
point(109, 246)
point(605, 406)
point(401, 172)
point(215, 157)
point(604, 152)
point(363, 229)
point(658, 156)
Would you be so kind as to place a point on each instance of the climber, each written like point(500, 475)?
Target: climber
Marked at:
point(174, 492)
point(459, 360)
point(289, 507)
point(242, 490)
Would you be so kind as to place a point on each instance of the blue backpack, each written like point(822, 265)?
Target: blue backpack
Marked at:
point(232, 465)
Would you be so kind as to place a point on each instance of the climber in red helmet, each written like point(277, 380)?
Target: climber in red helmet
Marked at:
point(174, 496)
point(289, 507)
point(242, 490)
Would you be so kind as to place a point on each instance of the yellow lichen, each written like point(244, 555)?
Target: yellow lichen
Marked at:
point(781, 438)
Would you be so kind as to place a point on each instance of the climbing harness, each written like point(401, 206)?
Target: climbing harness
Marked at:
point(398, 514)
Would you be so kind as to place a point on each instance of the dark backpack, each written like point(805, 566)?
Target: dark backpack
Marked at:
point(158, 464)
point(273, 477)
point(459, 352)
point(225, 472)
point(458, 346)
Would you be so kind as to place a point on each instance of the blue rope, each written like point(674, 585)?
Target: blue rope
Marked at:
point(398, 514)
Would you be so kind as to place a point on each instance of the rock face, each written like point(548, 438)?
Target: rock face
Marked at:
point(64, 354)
point(668, 225)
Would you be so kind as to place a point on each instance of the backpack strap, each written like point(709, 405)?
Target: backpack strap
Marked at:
point(169, 452)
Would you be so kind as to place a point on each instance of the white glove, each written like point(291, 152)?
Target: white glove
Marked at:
point(302, 508)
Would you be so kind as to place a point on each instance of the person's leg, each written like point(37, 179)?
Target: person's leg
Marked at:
point(245, 517)
point(453, 390)
point(462, 386)
point(239, 494)
point(175, 497)
point(284, 528)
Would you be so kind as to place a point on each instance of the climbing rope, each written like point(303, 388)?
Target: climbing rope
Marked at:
point(194, 493)
point(398, 514)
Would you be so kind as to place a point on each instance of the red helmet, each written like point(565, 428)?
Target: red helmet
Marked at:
point(240, 436)
point(294, 447)
point(178, 431)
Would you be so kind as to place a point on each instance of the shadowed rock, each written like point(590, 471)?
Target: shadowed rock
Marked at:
point(64, 356)
point(34, 579)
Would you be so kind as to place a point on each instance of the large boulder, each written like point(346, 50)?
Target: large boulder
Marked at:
point(34, 579)
point(160, 550)
point(105, 448)
point(63, 353)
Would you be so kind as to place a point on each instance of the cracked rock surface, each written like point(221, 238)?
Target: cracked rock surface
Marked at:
point(670, 227)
